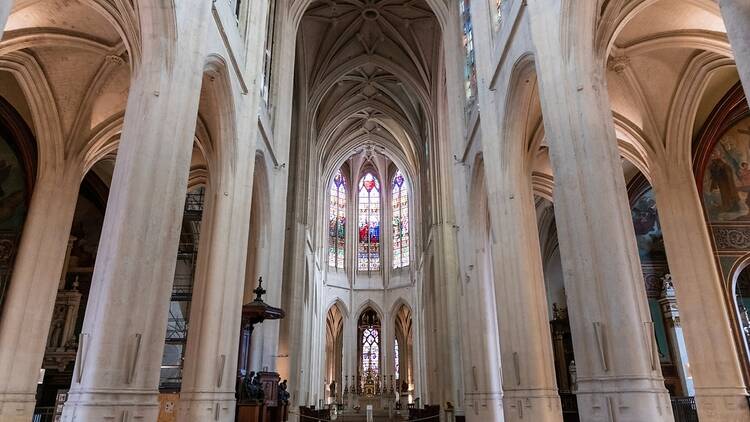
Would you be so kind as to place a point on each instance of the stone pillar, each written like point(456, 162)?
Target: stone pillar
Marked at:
point(736, 14)
point(483, 390)
point(714, 359)
point(529, 383)
point(27, 313)
point(671, 313)
point(618, 372)
point(5, 7)
point(209, 373)
point(529, 390)
point(117, 374)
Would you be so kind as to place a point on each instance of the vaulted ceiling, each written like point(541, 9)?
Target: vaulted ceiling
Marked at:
point(369, 67)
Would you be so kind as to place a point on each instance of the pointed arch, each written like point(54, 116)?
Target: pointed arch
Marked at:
point(400, 211)
point(369, 218)
point(337, 205)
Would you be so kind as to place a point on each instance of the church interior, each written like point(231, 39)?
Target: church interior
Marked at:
point(374, 210)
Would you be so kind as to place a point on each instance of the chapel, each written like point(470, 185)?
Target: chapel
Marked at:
point(374, 210)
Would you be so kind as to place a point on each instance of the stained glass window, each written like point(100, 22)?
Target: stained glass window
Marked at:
point(400, 205)
point(368, 252)
point(470, 67)
point(371, 352)
point(337, 221)
point(395, 354)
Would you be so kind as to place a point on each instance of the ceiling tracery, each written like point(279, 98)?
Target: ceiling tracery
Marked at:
point(369, 66)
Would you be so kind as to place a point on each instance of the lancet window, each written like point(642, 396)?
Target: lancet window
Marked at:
point(369, 327)
point(368, 251)
point(337, 221)
point(400, 207)
point(395, 354)
point(470, 67)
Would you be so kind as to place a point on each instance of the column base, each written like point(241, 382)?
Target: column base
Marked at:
point(201, 407)
point(624, 400)
point(17, 407)
point(125, 405)
point(483, 407)
point(724, 405)
point(537, 405)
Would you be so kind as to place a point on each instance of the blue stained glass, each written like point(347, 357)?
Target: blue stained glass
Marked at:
point(400, 208)
point(337, 221)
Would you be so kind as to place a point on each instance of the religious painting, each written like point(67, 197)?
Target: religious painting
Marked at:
point(647, 228)
point(400, 210)
point(368, 251)
point(726, 180)
point(337, 221)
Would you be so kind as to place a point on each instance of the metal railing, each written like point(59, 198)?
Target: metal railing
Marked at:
point(684, 409)
point(43, 414)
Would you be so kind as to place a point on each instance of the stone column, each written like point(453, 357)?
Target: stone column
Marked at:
point(529, 383)
point(714, 359)
point(5, 7)
point(736, 14)
point(117, 374)
point(483, 390)
point(27, 312)
point(529, 390)
point(209, 373)
point(618, 372)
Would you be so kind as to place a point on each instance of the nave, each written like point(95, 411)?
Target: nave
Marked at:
point(291, 210)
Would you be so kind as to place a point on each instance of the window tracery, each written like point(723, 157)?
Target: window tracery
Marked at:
point(368, 251)
point(396, 358)
point(400, 207)
point(268, 52)
point(337, 221)
point(369, 328)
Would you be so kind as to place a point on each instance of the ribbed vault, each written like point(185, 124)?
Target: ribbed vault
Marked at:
point(369, 68)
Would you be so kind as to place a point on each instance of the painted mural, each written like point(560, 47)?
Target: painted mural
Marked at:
point(726, 180)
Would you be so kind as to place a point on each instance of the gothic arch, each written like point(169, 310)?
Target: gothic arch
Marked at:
point(22, 139)
point(398, 303)
point(369, 303)
point(521, 95)
point(339, 303)
point(46, 121)
point(259, 232)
